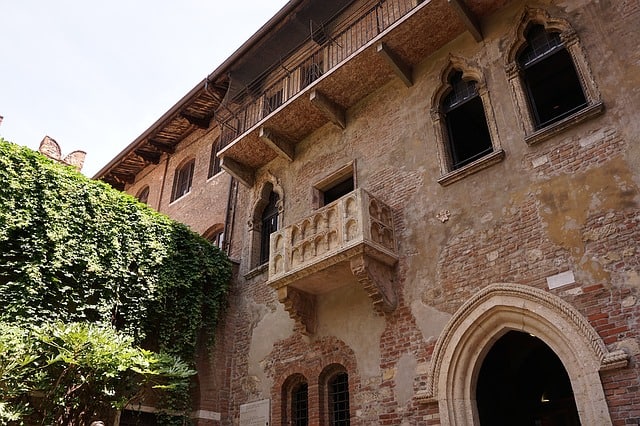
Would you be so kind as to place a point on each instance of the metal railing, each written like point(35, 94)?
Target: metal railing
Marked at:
point(365, 27)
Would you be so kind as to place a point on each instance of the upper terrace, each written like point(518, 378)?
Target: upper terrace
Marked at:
point(292, 77)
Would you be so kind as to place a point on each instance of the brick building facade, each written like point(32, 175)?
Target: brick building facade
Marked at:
point(433, 207)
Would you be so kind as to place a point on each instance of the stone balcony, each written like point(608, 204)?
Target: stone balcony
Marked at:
point(348, 242)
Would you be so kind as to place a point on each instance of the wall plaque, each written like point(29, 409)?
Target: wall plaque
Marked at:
point(255, 413)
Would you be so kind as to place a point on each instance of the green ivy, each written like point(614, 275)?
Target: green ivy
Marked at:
point(76, 250)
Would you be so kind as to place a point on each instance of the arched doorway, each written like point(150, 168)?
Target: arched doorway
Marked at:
point(492, 313)
point(523, 382)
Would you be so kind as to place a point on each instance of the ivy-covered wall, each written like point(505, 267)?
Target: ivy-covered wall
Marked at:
point(74, 249)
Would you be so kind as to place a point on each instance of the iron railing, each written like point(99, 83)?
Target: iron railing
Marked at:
point(366, 25)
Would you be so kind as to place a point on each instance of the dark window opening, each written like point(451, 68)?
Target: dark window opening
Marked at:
point(269, 225)
point(143, 196)
point(339, 400)
point(182, 180)
point(467, 130)
point(553, 87)
point(338, 190)
point(137, 418)
point(300, 405)
point(523, 382)
point(214, 161)
point(217, 239)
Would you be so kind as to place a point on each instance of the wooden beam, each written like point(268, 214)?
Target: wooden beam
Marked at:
point(468, 18)
point(280, 145)
point(202, 123)
point(242, 173)
point(403, 70)
point(334, 112)
point(162, 146)
point(148, 157)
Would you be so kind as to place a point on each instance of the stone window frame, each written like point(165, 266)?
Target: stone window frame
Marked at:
point(328, 374)
point(261, 199)
point(333, 178)
point(461, 347)
point(469, 73)
point(572, 44)
point(184, 171)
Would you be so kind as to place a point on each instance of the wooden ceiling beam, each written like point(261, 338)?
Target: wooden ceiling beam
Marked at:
point(163, 147)
point(202, 123)
point(148, 157)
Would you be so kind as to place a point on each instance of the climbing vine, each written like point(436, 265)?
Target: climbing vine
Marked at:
point(76, 250)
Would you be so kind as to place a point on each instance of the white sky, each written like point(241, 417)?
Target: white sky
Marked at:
point(94, 75)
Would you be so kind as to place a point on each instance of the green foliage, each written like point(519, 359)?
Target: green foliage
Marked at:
point(73, 374)
point(76, 250)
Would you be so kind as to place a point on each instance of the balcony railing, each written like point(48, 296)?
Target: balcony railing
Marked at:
point(349, 241)
point(335, 49)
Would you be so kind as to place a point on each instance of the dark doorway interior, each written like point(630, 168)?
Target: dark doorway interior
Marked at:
point(522, 382)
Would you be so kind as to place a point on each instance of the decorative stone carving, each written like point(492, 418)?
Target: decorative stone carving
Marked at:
point(353, 237)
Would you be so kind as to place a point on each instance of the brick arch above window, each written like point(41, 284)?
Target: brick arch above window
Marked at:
point(536, 131)
point(453, 169)
point(215, 235)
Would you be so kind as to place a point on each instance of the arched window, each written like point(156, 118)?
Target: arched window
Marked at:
point(467, 130)
point(552, 84)
point(214, 161)
point(143, 194)
point(551, 81)
point(182, 180)
point(338, 399)
point(215, 235)
point(300, 405)
point(269, 224)
point(295, 401)
point(334, 396)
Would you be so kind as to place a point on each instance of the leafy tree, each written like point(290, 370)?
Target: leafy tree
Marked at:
point(72, 374)
point(76, 250)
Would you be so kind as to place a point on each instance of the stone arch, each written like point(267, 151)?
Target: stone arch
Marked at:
point(491, 313)
point(261, 196)
point(517, 42)
point(470, 72)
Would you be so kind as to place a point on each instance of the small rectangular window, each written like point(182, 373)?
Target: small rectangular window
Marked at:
point(335, 186)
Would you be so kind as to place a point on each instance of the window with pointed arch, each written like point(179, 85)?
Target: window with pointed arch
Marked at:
point(182, 180)
point(269, 224)
point(295, 399)
point(335, 383)
point(550, 77)
point(466, 133)
point(143, 194)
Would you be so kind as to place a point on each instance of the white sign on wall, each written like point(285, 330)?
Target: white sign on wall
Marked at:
point(255, 413)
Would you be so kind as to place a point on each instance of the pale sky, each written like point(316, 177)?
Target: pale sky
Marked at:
point(94, 75)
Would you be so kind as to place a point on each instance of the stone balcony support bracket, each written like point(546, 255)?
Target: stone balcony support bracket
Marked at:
point(334, 112)
point(377, 280)
point(301, 307)
point(278, 144)
point(402, 70)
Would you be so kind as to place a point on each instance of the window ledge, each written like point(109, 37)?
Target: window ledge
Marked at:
point(547, 132)
point(256, 271)
point(180, 198)
point(471, 168)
